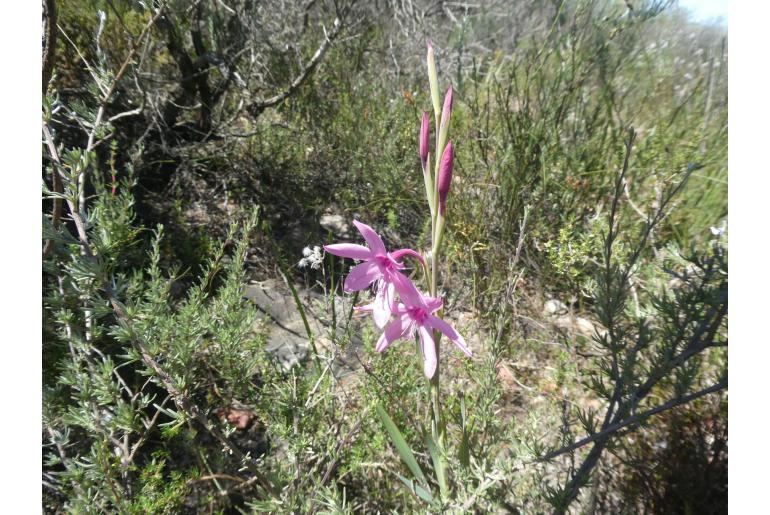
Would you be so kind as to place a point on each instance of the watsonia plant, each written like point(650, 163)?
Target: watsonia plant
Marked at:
point(414, 314)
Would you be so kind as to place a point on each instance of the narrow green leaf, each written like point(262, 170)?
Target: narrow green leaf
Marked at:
point(401, 446)
point(438, 465)
point(301, 309)
point(465, 455)
point(49, 233)
point(297, 302)
point(416, 489)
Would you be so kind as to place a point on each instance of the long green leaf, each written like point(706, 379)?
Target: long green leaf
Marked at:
point(465, 455)
point(301, 309)
point(421, 492)
point(401, 446)
point(438, 465)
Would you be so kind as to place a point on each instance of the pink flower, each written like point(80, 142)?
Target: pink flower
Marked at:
point(445, 175)
point(378, 265)
point(415, 314)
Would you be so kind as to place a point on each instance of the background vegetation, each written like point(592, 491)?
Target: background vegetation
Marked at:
point(192, 147)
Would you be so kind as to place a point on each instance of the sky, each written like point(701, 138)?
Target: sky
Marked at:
point(706, 10)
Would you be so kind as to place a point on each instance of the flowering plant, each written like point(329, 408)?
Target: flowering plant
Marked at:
point(399, 307)
point(413, 313)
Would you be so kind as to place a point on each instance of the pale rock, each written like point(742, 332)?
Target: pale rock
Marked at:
point(554, 307)
point(287, 340)
point(578, 325)
point(336, 224)
point(585, 327)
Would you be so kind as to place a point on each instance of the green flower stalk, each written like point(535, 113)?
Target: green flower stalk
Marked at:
point(436, 190)
point(424, 139)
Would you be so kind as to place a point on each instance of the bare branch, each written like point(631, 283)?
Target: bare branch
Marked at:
point(256, 107)
point(673, 403)
point(49, 41)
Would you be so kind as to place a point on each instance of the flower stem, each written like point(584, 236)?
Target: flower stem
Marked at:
point(437, 426)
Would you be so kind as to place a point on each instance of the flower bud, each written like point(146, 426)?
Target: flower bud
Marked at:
point(445, 175)
point(424, 139)
point(446, 113)
point(433, 80)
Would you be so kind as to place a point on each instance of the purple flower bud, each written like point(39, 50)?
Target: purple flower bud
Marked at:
point(424, 139)
point(445, 175)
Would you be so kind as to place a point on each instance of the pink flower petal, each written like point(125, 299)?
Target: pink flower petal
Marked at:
point(390, 294)
point(349, 250)
point(445, 175)
point(448, 330)
point(366, 308)
point(362, 275)
point(428, 352)
point(433, 303)
point(381, 316)
point(382, 304)
point(407, 290)
point(398, 254)
point(399, 308)
point(395, 330)
point(372, 238)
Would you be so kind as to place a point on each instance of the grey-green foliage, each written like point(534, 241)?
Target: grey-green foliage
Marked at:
point(127, 355)
point(654, 337)
point(546, 120)
point(105, 411)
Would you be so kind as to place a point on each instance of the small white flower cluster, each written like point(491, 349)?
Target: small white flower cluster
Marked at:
point(719, 231)
point(312, 258)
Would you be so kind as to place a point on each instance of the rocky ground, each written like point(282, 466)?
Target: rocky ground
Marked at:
point(288, 340)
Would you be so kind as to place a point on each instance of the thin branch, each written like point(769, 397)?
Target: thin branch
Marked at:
point(148, 429)
point(63, 456)
point(49, 51)
point(90, 68)
point(673, 403)
point(341, 444)
point(258, 106)
point(134, 48)
point(74, 213)
point(57, 188)
point(49, 41)
point(612, 233)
